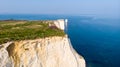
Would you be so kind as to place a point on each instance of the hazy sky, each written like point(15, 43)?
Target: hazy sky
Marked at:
point(72, 7)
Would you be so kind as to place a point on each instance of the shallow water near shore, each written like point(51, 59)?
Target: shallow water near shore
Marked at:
point(97, 40)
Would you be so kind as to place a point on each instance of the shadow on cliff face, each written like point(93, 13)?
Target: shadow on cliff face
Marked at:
point(14, 51)
point(10, 49)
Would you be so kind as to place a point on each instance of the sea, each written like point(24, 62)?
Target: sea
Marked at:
point(96, 39)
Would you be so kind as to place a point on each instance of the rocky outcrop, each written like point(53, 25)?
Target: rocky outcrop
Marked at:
point(45, 52)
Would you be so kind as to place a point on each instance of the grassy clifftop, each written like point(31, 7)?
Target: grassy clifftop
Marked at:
point(13, 30)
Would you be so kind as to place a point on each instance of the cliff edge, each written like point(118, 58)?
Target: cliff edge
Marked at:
point(55, 51)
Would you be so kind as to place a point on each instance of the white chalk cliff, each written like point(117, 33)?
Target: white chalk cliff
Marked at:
point(61, 23)
point(45, 52)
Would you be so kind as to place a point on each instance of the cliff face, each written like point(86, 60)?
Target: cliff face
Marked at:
point(46, 52)
point(53, 51)
point(61, 24)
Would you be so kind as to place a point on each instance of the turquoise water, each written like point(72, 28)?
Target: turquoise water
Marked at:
point(97, 40)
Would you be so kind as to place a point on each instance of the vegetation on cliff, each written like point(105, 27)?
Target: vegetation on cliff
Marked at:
point(12, 30)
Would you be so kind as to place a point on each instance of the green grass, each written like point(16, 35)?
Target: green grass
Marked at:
point(23, 30)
